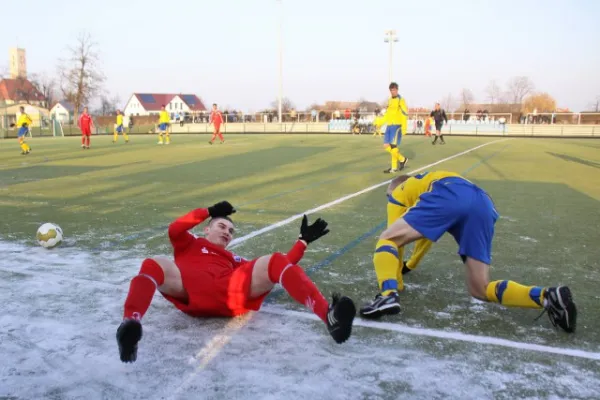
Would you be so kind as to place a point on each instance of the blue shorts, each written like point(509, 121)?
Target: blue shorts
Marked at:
point(459, 207)
point(393, 135)
point(119, 128)
point(162, 127)
point(22, 131)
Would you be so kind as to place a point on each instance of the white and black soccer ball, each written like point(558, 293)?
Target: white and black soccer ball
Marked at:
point(49, 235)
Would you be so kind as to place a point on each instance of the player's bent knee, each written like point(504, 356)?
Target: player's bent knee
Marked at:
point(261, 282)
point(173, 284)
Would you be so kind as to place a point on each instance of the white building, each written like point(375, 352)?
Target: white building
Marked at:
point(151, 103)
point(62, 111)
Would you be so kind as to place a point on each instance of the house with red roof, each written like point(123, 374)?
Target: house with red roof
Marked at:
point(20, 91)
point(150, 104)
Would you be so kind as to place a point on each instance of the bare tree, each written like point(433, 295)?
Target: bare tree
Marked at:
point(80, 76)
point(286, 105)
point(595, 105)
point(493, 92)
point(467, 97)
point(448, 103)
point(45, 85)
point(26, 91)
point(108, 105)
point(518, 88)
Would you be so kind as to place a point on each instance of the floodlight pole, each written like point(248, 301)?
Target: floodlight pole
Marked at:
point(390, 37)
point(280, 59)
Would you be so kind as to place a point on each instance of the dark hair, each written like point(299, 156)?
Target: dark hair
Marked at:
point(393, 85)
point(217, 218)
point(215, 104)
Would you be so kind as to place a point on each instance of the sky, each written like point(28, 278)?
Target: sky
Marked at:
point(227, 51)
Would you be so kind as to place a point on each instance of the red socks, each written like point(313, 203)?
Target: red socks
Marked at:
point(221, 137)
point(298, 285)
point(142, 288)
point(296, 252)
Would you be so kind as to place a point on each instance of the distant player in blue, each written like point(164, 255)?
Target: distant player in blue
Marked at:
point(431, 204)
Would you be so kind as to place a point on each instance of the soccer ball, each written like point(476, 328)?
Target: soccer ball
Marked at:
point(49, 235)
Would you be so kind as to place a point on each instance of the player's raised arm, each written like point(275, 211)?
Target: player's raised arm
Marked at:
point(178, 230)
point(308, 234)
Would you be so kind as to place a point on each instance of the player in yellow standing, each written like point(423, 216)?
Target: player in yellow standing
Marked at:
point(439, 202)
point(396, 119)
point(163, 126)
point(23, 123)
point(120, 128)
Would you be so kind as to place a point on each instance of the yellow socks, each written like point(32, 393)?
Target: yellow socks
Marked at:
point(513, 294)
point(387, 264)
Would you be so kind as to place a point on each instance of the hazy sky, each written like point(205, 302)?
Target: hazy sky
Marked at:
point(226, 51)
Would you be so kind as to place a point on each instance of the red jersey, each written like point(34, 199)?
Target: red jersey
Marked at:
point(85, 121)
point(197, 258)
point(216, 117)
point(198, 253)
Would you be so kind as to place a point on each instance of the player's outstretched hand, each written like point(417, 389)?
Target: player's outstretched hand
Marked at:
point(310, 233)
point(221, 209)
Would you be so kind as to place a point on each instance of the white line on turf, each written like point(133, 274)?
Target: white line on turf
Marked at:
point(226, 333)
point(242, 239)
point(464, 337)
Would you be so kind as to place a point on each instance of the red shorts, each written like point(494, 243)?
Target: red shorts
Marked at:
point(227, 295)
point(217, 127)
point(86, 131)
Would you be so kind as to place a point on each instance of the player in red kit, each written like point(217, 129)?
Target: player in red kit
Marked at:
point(206, 280)
point(86, 125)
point(216, 118)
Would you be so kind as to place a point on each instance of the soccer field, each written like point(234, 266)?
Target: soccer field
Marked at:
point(61, 307)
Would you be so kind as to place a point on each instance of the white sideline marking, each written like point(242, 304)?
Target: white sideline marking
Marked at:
point(464, 337)
point(223, 337)
point(241, 239)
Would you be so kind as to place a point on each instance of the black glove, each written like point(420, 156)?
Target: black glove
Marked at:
point(310, 233)
point(221, 209)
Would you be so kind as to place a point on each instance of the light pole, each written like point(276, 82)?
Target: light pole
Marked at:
point(280, 59)
point(390, 37)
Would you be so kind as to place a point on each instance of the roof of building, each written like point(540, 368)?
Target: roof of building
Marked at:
point(19, 90)
point(154, 101)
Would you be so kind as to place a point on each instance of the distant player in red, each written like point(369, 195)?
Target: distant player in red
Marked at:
point(206, 280)
point(216, 118)
point(86, 125)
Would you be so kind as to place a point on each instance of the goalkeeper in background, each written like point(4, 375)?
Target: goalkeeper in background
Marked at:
point(23, 123)
point(396, 119)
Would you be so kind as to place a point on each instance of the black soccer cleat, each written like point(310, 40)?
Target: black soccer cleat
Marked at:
point(402, 164)
point(339, 318)
point(129, 334)
point(389, 171)
point(558, 302)
point(380, 306)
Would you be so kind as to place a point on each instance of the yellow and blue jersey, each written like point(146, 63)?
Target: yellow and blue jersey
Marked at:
point(437, 202)
point(164, 117)
point(397, 112)
point(23, 122)
point(120, 119)
point(407, 194)
point(395, 119)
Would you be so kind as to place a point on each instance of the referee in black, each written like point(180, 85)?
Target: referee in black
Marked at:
point(439, 116)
